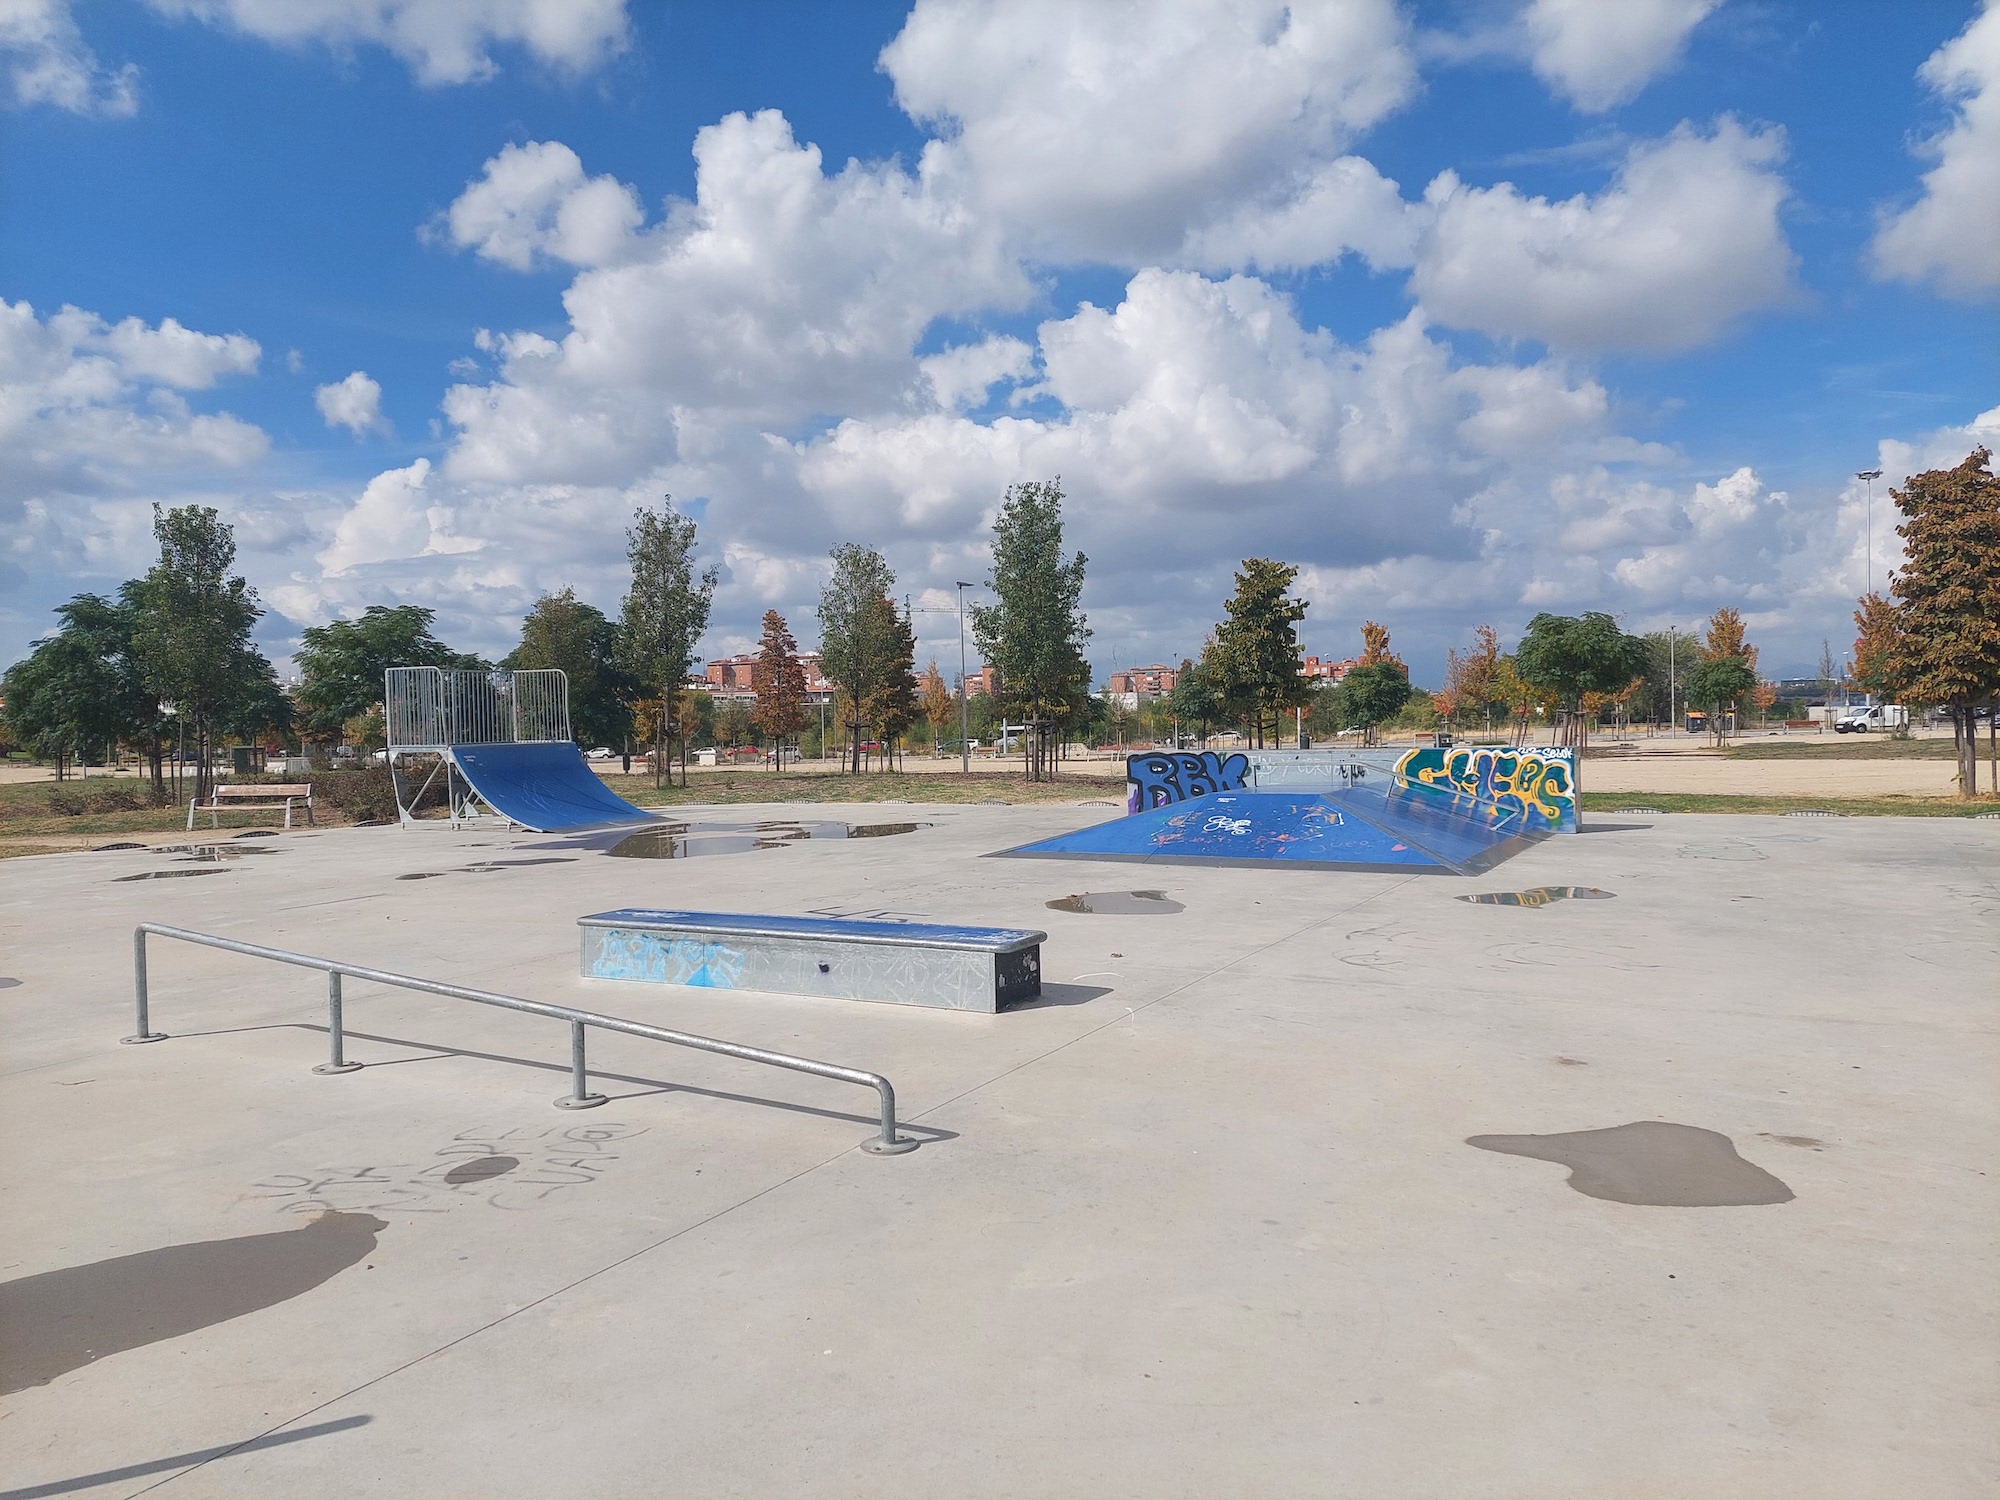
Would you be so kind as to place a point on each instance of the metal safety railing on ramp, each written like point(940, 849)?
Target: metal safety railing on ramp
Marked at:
point(886, 1143)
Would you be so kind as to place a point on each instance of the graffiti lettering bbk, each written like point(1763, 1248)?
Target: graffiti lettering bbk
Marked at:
point(1162, 779)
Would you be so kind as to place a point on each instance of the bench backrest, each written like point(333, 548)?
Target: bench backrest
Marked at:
point(232, 792)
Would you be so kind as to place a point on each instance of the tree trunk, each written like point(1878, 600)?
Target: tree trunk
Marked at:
point(1968, 751)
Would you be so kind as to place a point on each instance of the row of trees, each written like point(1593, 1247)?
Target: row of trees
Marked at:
point(1936, 639)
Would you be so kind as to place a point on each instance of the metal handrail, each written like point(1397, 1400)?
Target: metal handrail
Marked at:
point(887, 1143)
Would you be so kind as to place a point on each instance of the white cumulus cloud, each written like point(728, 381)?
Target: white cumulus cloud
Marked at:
point(442, 41)
point(93, 408)
point(1108, 131)
point(45, 60)
point(354, 403)
point(533, 203)
point(777, 294)
point(1951, 235)
point(1600, 53)
point(1686, 240)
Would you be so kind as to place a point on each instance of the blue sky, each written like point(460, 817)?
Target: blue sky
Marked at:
point(1470, 310)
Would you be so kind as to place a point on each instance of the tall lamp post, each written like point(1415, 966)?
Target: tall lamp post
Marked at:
point(964, 744)
point(1871, 475)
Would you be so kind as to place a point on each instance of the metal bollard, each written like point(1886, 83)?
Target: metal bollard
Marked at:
point(336, 1034)
point(579, 1096)
point(145, 1033)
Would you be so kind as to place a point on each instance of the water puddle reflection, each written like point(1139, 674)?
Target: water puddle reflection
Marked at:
point(1118, 904)
point(694, 840)
point(1541, 895)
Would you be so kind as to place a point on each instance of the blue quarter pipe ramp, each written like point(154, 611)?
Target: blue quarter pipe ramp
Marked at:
point(1359, 828)
point(547, 787)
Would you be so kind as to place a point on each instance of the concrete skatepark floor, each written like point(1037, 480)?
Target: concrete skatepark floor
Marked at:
point(1329, 1183)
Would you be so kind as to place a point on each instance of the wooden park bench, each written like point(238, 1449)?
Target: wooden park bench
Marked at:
point(1791, 724)
point(903, 963)
point(252, 798)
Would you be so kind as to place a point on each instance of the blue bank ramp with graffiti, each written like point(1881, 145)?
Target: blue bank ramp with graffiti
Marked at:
point(547, 787)
point(900, 963)
point(1390, 827)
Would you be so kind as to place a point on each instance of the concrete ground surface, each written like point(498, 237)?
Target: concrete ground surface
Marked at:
point(1204, 1222)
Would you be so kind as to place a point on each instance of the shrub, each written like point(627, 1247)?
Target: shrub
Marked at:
point(75, 801)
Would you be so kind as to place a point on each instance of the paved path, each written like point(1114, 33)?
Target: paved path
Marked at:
point(1203, 1224)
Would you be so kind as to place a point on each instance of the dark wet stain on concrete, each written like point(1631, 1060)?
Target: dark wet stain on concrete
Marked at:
point(480, 1168)
point(1118, 904)
point(63, 1320)
point(1572, 1062)
point(1652, 1162)
point(167, 874)
point(422, 875)
point(10, 984)
point(259, 833)
point(1806, 1142)
point(693, 840)
point(115, 848)
point(1541, 895)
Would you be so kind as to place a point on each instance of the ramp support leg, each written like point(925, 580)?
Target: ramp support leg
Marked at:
point(579, 1096)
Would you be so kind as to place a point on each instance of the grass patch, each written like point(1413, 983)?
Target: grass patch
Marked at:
point(1848, 747)
point(1860, 807)
point(720, 787)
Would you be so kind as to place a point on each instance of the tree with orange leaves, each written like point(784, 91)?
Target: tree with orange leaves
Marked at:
point(1876, 646)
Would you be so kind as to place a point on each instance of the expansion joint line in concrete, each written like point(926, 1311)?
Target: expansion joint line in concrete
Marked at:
point(763, 1192)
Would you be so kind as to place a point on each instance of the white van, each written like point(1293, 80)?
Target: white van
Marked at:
point(1876, 716)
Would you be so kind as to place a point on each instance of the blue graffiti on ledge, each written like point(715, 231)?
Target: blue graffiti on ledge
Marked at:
point(1165, 777)
point(648, 956)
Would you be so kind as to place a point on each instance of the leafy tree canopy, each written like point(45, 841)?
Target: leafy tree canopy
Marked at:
point(341, 664)
point(1034, 632)
point(1567, 657)
point(563, 633)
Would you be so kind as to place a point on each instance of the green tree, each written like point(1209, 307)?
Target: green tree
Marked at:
point(1565, 657)
point(734, 724)
point(891, 705)
point(780, 682)
point(191, 631)
point(564, 634)
point(857, 645)
point(1716, 682)
point(665, 613)
point(341, 664)
point(1196, 700)
point(1257, 644)
point(1371, 695)
point(1034, 632)
point(82, 687)
point(1948, 598)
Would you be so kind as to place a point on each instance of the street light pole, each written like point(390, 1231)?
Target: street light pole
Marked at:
point(1871, 475)
point(964, 744)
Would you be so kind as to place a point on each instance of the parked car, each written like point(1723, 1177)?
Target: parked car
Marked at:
point(602, 752)
point(1875, 716)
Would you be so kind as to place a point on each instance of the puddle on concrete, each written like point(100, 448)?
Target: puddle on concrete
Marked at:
point(167, 875)
point(62, 1320)
point(1652, 1162)
point(208, 853)
point(115, 848)
point(424, 875)
point(1541, 895)
point(481, 1169)
point(693, 840)
point(10, 984)
point(1118, 904)
point(258, 833)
